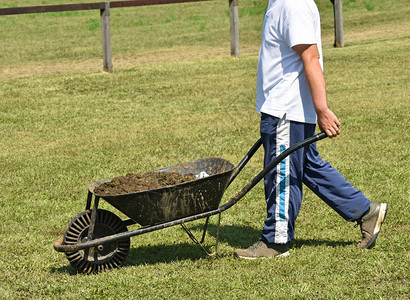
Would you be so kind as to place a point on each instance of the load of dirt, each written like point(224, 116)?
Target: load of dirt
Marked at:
point(132, 183)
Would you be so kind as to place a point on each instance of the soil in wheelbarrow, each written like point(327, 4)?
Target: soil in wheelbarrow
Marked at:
point(132, 183)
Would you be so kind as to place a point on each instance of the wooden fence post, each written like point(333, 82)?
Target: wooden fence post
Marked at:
point(233, 9)
point(338, 14)
point(106, 37)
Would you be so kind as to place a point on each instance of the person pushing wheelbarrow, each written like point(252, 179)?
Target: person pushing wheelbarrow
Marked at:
point(291, 98)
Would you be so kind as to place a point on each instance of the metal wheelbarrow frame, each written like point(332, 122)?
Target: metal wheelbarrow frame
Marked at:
point(98, 240)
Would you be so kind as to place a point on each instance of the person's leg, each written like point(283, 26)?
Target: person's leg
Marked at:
point(327, 183)
point(339, 194)
point(275, 134)
point(283, 185)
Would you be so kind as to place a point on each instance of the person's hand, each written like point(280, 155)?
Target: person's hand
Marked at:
point(328, 123)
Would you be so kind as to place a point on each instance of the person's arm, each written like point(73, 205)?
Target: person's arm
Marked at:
point(326, 119)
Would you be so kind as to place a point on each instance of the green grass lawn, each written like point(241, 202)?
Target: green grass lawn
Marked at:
point(176, 95)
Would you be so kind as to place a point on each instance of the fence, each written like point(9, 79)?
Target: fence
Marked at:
point(105, 7)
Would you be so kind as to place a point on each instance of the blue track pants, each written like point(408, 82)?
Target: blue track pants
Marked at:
point(283, 185)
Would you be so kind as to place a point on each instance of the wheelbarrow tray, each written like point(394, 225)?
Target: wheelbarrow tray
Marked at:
point(174, 202)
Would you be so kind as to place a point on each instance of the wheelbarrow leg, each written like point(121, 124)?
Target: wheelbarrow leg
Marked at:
point(89, 198)
point(93, 218)
point(194, 239)
point(205, 229)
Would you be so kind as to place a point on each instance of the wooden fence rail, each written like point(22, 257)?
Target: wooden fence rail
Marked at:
point(104, 8)
point(85, 6)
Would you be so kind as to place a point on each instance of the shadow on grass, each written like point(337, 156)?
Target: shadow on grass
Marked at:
point(310, 242)
point(243, 237)
point(234, 236)
point(152, 255)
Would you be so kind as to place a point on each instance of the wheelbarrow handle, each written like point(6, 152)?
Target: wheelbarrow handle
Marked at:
point(268, 168)
point(245, 160)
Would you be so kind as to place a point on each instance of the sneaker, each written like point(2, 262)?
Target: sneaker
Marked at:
point(262, 250)
point(371, 223)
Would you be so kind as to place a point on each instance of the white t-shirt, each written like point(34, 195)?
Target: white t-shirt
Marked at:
point(282, 89)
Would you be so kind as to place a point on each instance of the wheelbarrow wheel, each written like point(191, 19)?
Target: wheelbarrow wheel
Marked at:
point(102, 257)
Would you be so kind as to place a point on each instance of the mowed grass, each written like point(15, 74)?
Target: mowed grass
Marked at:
point(176, 95)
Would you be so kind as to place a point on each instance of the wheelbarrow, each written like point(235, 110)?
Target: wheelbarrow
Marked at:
point(98, 240)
